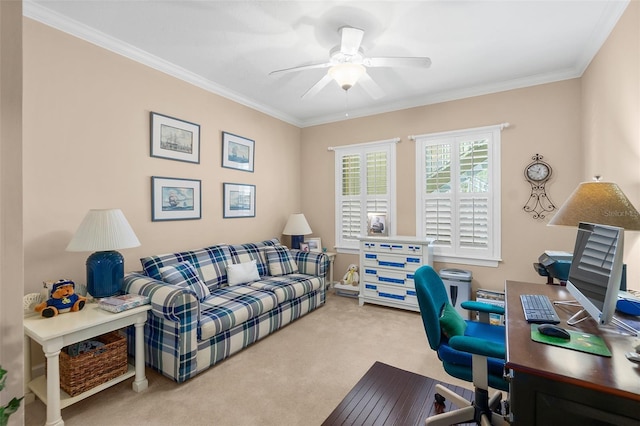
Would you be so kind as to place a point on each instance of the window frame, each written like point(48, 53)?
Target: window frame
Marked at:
point(344, 245)
point(492, 254)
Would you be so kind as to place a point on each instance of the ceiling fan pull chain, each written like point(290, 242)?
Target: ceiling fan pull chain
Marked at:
point(346, 103)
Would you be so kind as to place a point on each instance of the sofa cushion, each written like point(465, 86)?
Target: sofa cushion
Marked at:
point(280, 261)
point(210, 263)
point(183, 274)
point(242, 273)
point(241, 253)
point(229, 306)
point(288, 287)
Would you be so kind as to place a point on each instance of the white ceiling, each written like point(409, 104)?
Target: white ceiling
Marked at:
point(230, 47)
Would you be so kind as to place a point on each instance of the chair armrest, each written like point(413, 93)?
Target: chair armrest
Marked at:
point(471, 305)
point(475, 345)
point(167, 301)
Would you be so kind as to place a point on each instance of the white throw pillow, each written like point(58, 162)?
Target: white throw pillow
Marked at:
point(240, 273)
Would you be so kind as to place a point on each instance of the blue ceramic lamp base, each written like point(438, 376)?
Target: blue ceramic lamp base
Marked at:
point(296, 240)
point(105, 272)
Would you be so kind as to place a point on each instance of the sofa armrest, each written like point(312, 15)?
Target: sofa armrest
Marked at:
point(167, 301)
point(311, 263)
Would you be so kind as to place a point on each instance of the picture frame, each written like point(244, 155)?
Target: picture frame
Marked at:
point(237, 152)
point(239, 200)
point(377, 225)
point(174, 139)
point(175, 199)
point(315, 244)
point(304, 247)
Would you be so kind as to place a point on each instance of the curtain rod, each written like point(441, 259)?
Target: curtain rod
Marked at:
point(394, 140)
point(501, 125)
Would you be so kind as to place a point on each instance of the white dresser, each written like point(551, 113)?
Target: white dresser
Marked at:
point(387, 265)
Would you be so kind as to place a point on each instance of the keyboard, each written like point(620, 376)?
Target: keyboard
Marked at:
point(538, 309)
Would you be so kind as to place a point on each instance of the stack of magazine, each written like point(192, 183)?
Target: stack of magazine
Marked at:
point(122, 302)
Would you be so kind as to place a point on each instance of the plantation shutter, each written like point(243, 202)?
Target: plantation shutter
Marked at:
point(458, 193)
point(364, 178)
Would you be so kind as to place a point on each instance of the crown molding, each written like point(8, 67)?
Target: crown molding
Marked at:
point(77, 29)
point(609, 19)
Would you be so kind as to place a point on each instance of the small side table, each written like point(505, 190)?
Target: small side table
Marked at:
point(55, 333)
point(332, 259)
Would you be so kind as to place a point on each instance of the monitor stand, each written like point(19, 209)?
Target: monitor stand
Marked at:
point(582, 315)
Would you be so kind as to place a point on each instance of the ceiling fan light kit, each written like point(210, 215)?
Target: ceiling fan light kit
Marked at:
point(347, 74)
point(348, 65)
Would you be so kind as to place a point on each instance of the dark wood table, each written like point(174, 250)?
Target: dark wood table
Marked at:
point(388, 395)
point(554, 385)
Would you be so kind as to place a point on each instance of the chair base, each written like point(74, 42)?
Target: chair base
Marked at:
point(469, 411)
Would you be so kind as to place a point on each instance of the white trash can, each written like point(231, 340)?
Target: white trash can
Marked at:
point(458, 284)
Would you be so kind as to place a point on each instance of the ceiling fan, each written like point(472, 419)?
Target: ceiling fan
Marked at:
point(347, 65)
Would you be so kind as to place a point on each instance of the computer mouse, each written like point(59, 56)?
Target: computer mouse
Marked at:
point(554, 331)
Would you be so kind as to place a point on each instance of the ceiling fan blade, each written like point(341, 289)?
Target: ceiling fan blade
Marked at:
point(301, 68)
point(317, 87)
point(351, 40)
point(370, 86)
point(416, 62)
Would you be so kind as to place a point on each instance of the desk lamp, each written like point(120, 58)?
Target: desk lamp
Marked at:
point(598, 202)
point(104, 231)
point(297, 226)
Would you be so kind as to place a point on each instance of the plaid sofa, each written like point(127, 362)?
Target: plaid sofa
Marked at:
point(188, 331)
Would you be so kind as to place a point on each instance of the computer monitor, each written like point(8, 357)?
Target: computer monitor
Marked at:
point(596, 270)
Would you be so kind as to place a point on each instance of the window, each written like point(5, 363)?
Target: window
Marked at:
point(458, 195)
point(365, 183)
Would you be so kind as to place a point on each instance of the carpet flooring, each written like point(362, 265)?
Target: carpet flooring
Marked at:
point(296, 376)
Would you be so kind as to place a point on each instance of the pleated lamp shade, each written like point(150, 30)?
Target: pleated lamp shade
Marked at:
point(103, 232)
point(297, 226)
point(600, 203)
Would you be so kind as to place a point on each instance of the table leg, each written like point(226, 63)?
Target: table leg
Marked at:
point(54, 413)
point(140, 383)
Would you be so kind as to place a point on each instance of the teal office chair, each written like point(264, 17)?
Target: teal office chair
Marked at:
point(469, 350)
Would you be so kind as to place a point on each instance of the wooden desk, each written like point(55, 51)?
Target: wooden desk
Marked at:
point(554, 385)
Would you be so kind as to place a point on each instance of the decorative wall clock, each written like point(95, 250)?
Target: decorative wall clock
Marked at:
point(538, 174)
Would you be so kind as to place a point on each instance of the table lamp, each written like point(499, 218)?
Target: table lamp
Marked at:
point(104, 232)
point(598, 202)
point(297, 226)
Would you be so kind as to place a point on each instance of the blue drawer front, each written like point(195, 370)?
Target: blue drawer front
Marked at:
point(391, 296)
point(411, 293)
point(391, 280)
point(370, 256)
point(414, 260)
point(391, 264)
point(371, 286)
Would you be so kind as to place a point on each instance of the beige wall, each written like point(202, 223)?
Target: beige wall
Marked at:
point(544, 119)
point(611, 120)
point(86, 145)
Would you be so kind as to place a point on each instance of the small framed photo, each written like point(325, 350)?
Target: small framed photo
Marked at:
point(175, 199)
point(315, 244)
point(174, 139)
point(377, 225)
point(237, 152)
point(239, 200)
point(304, 247)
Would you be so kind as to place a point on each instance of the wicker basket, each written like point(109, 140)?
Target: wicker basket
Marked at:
point(92, 368)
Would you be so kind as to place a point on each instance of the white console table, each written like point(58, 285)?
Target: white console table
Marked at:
point(55, 333)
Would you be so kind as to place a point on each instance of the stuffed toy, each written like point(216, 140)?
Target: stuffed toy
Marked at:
point(351, 277)
point(63, 299)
